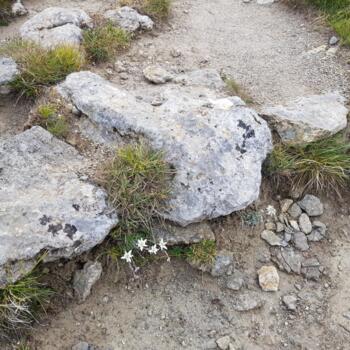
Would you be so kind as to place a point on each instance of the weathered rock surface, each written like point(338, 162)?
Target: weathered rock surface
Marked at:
point(290, 300)
point(176, 235)
point(248, 301)
point(308, 118)
point(129, 19)
point(85, 279)
point(157, 75)
point(202, 77)
point(56, 25)
point(319, 231)
point(268, 278)
point(300, 241)
point(312, 205)
point(305, 223)
point(45, 206)
point(18, 9)
point(217, 153)
point(288, 260)
point(8, 71)
point(223, 263)
point(271, 238)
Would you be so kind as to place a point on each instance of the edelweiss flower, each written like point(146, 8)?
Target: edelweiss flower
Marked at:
point(141, 244)
point(153, 249)
point(127, 256)
point(162, 245)
point(270, 210)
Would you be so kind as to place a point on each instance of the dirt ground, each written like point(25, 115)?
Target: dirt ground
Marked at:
point(268, 50)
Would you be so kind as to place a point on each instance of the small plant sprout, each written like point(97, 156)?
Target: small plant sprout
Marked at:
point(141, 244)
point(271, 211)
point(127, 256)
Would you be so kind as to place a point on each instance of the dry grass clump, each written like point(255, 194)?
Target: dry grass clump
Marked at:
point(40, 67)
point(159, 9)
point(20, 303)
point(137, 180)
point(104, 41)
point(321, 166)
point(203, 252)
point(236, 90)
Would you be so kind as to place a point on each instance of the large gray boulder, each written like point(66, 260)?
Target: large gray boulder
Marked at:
point(8, 71)
point(129, 19)
point(45, 207)
point(309, 118)
point(216, 145)
point(55, 26)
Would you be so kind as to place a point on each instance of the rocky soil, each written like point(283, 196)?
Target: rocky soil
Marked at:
point(288, 285)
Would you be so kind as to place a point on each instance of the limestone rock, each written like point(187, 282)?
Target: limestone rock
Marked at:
point(217, 154)
point(300, 241)
point(312, 205)
point(294, 211)
point(290, 300)
point(271, 238)
point(285, 204)
point(309, 118)
point(8, 71)
point(288, 259)
point(129, 19)
point(223, 263)
point(305, 223)
point(235, 282)
point(268, 278)
point(18, 9)
point(319, 231)
point(177, 235)
point(223, 342)
point(85, 279)
point(56, 25)
point(45, 206)
point(157, 75)
point(202, 77)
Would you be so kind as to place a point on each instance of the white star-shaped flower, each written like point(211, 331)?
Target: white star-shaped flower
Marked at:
point(141, 244)
point(270, 210)
point(127, 256)
point(153, 249)
point(162, 245)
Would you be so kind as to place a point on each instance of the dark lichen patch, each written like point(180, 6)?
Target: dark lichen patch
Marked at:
point(70, 230)
point(76, 207)
point(54, 229)
point(45, 220)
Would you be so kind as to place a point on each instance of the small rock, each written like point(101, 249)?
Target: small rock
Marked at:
point(235, 282)
point(223, 263)
point(268, 278)
point(294, 211)
point(333, 40)
point(271, 238)
point(312, 205)
point(157, 75)
point(300, 241)
point(175, 53)
point(285, 205)
point(247, 301)
point(318, 232)
point(311, 269)
point(8, 71)
point(223, 343)
point(81, 346)
point(290, 300)
point(84, 279)
point(279, 227)
point(265, 2)
point(270, 226)
point(294, 225)
point(288, 259)
point(305, 223)
point(18, 9)
point(311, 262)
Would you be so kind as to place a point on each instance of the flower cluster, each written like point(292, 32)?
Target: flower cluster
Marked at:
point(143, 245)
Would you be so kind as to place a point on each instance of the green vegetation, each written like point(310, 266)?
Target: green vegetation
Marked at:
point(236, 90)
point(41, 67)
point(337, 13)
point(203, 252)
point(250, 218)
point(20, 303)
point(137, 180)
point(321, 166)
point(103, 42)
point(52, 120)
point(159, 9)
point(5, 12)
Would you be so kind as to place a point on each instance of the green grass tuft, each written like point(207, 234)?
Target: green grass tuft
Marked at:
point(138, 183)
point(321, 166)
point(104, 42)
point(50, 119)
point(157, 8)
point(236, 90)
point(41, 67)
point(20, 303)
point(203, 252)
